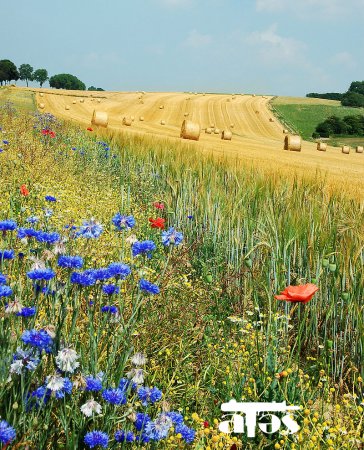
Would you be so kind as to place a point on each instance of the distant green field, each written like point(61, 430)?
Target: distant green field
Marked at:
point(303, 115)
point(23, 100)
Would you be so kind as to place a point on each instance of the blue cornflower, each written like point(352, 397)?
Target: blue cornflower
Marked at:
point(93, 384)
point(122, 222)
point(102, 274)
point(125, 383)
point(6, 142)
point(190, 217)
point(89, 230)
point(110, 289)
point(159, 428)
point(7, 225)
point(109, 309)
point(70, 262)
point(2, 279)
point(140, 247)
point(124, 436)
point(7, 433)
point(149, 287)
point(32, 219)
point(147, 394)
point(141, 420)
point(188, 434)
point(176, 417)
point(85, 278)
point(41, 395)
point(114, 396)
point(119, 270)
point(41, 274)
point(26, 232)
point(24, 359)
point(5, 291)
point(27, 311)
point(7, 254)
point(96, 438)
point(49, 238)
point(50, 198)
point(171, 237)
point(48, 212)
point(66, 389)
point(39, 339)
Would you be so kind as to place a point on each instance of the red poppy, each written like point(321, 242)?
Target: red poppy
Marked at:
point(157, 223)
point(158, 205)
point(89, 129)
point(52, 134)
point(23, 190)
point(298, 294)
point(45, 132)
point(206, 424)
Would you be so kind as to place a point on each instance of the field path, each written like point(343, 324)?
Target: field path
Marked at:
point(257, 134)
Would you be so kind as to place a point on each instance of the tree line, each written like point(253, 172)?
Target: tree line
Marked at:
point(354, 96)
point(351, 125)
point(25, 72)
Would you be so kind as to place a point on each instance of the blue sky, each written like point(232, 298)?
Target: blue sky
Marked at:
point(282, 47)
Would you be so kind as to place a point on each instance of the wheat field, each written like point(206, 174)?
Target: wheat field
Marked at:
point(257, 133)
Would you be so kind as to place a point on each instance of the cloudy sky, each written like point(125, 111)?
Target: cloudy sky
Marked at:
point(283, 47)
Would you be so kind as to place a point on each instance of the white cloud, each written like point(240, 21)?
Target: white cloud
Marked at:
point(197, 40)
point(273, 47)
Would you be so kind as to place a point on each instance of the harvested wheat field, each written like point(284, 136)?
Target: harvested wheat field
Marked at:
point(255, 138)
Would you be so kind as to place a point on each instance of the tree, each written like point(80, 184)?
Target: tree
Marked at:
point(357, 86)
point(66, 81)
point(353, 99)
point(40, 75)
point(93, 88)
point(8, 71)
point(26, 73)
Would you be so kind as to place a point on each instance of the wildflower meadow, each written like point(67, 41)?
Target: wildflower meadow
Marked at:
point(141, 287)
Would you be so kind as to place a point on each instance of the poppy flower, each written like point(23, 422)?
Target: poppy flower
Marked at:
point(157, 223)
point(52, 134)
point(23, 190)
point(45, 132)
point(206, 424)
point(298, 294)
point(158, 205)
point(89, 129)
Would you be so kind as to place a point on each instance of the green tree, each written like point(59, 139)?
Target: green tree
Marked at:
point(353, 99)
point(66, 81)
point(40, 75)
point(357, 86)
point(8, 71)
point(93, 88)
point(26, 73)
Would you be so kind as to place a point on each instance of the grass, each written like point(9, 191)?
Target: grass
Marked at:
point(21, 99)
point(215, 331)
point(303, 115)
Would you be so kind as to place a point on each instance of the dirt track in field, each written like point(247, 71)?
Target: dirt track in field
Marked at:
point(257, 135)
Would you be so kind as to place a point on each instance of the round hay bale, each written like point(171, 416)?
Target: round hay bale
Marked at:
point(82, 100)
point(321, 146)
point(141, 118)
point(41, 105)
point(163, 122)
point(271, 120)
point(292, 143)
point(208, 130)
point(132, 118)
point(232, 125)
point(253, 95)
point(359, 149)
point(127, 121)
point(98, 100)
point(345, 149)
point(67, 107)
point(256, 112)
point(226, 135)
point(74, 102)
point(212, 125)
point(143, 92)
point(285, 131)
point(100, 118)
point(190, 130)
point(216, 131)
point(41, 94)
point(186, 114)
point(161, 107)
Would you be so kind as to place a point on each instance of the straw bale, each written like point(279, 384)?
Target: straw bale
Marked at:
point(226, 135)
point(99, 118)
point(190, 130)
point(292, 143)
